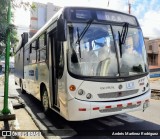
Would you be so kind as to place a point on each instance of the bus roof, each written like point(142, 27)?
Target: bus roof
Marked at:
point(56, 16)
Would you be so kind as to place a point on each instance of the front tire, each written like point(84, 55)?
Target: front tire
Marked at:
point(45, 101)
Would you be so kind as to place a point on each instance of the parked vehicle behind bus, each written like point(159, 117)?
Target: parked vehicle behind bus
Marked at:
point(86, 63)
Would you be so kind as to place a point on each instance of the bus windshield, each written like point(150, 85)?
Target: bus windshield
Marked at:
point(98, 51)
point(134, 58)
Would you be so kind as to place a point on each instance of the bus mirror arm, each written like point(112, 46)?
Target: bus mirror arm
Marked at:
point(24, 38)
point(61, 29)
point(74, 58)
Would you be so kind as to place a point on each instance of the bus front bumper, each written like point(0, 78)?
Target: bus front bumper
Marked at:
point(79, 110)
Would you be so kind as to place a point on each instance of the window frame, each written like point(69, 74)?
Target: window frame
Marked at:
point(31, 51)
point(39, 49)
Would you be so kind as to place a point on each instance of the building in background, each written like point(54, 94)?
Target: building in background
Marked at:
point(153, 51)
point(40, 15)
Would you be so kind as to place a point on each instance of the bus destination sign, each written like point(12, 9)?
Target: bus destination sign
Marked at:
point(115, 17)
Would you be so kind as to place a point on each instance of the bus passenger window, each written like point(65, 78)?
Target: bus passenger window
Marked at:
point(33, 53)
point(42, 41)
point(43, 54)
point(42, 48)
point(26, 57)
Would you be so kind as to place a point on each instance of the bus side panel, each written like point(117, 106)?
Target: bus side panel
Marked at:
point(19, 66)
point(25, 81)
point(41, 76)
point(31, 78)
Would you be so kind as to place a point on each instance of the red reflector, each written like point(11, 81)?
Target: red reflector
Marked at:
point(96, 108)
point(138, 102)
point(108, 107)
point(119, 105)
point(129, 104)
point(147, 100)
point(82, 109)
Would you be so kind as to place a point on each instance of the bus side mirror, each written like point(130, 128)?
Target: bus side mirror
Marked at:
point(24, 38)
point(74, 58)
point(61, 29)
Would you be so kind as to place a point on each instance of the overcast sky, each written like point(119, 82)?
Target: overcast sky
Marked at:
point(147, 12)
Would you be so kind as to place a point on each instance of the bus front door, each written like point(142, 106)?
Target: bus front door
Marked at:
point(52, 68)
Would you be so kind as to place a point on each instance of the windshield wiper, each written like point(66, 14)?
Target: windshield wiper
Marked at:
point(123, 36)
point(80, 36)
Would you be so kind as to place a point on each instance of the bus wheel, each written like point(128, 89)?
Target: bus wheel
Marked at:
point(45, 101)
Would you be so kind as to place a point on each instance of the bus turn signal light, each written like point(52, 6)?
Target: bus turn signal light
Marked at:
point(72, 88)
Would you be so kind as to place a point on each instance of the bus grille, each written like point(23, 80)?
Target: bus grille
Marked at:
point(118, 94)
point(118, 108)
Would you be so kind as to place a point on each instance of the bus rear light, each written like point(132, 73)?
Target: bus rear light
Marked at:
point(82, 109)
point(107, 107)
point(96, 108)
point(72, 88)
point(138, 102)
point(129, 104)
point(119, 105)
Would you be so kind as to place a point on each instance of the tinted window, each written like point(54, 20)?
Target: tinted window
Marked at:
point(42, 48)
point(26, 58)
point(43, 54)
point(33, 52)
point(42, 41)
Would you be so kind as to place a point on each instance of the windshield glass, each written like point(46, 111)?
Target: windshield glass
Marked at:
point(95, 54)
point(133, 59)
point(98, 54)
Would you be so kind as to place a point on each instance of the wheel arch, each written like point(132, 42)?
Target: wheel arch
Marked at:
point(42, 87)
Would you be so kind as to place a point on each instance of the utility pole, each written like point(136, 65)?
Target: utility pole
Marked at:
point(129, 7)
point(5, 106)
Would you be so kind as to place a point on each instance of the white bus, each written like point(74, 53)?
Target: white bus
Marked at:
point(86, 63)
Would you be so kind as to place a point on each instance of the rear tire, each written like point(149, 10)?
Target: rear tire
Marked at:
point(45, 101)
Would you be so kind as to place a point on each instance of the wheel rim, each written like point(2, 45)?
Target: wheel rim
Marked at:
point(45, 101)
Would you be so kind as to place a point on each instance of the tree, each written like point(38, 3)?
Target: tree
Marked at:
point(4, 26)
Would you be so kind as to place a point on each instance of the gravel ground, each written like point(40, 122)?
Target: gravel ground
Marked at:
point(155, 83)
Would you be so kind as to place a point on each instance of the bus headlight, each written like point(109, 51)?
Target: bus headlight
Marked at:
point(88, 96)
point(81, 92)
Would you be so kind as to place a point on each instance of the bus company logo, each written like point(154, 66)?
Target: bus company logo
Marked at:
point(107, 87)
point(130, 85)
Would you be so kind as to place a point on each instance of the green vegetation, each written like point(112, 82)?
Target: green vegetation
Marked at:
point(4, 26)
